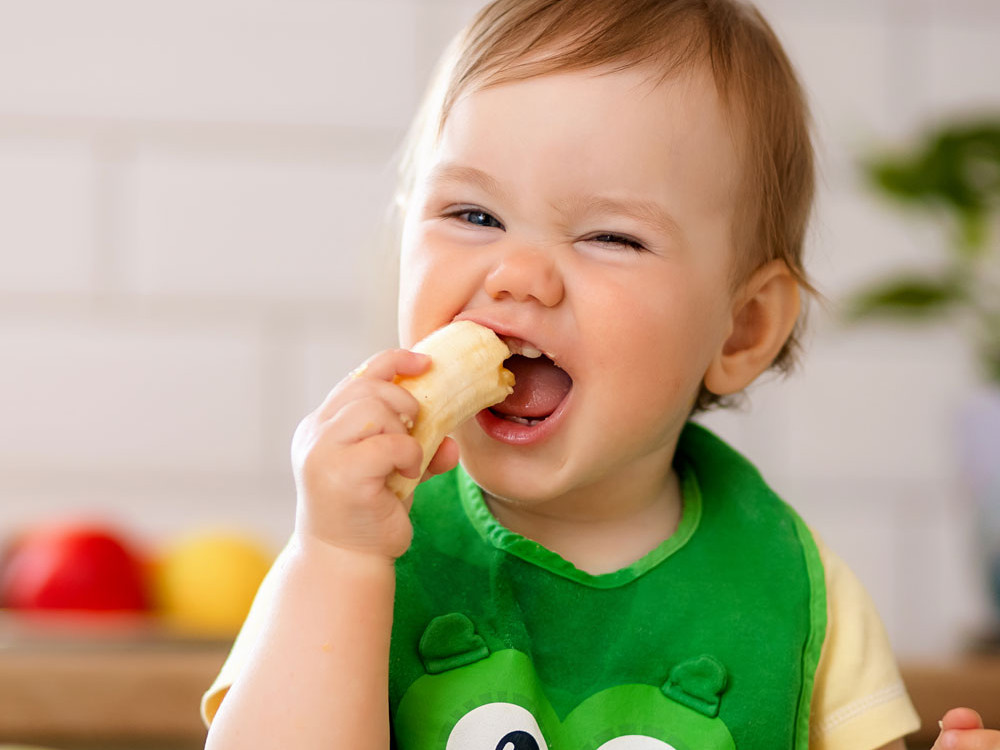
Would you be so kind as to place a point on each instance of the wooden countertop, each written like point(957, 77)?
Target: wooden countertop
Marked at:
point(135, 682)
point(102, 682)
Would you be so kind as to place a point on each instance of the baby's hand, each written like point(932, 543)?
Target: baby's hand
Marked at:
point(962, 729)
point(343, 452)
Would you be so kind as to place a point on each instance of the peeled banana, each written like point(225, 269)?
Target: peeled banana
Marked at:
point(466, 375)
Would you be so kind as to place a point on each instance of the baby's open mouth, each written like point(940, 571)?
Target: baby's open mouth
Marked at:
point(540, 385)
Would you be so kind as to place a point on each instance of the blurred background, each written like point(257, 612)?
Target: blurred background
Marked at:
point(193, 251)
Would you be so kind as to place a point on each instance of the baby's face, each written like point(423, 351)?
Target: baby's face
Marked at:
point(589, 216)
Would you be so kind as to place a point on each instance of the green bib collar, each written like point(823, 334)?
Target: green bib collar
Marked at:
point(532, 552)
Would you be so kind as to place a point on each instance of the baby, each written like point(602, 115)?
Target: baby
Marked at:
point(620, 190)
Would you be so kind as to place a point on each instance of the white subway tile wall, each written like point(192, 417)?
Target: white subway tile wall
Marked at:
point(47, 205)
point(193, 252)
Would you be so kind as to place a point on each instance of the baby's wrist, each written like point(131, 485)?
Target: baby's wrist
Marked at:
point(341, 556)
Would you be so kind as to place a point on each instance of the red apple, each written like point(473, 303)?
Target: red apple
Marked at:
point(73, 567)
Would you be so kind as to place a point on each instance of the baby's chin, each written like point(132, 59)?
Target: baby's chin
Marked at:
point(510, 483)
point(506, 507)
point(523, 476)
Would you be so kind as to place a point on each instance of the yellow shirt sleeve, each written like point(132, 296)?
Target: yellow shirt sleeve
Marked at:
point(859, 700)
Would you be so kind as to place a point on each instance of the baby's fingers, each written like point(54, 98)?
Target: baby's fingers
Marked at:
point(375, 378)
point(341, 454)
point(320, 436)
point(388, 364)
point(962, 729)
point(368, 416)
point(384, 454)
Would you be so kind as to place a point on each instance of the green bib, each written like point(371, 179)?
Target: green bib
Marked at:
point(710, 641)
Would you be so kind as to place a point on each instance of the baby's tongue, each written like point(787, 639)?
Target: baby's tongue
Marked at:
point(539, 387)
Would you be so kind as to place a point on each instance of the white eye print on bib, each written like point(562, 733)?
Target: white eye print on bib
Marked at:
point(635, 742)
point(506, 726)
point(497, 726)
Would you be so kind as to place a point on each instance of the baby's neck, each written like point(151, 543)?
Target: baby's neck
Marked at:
point(599, 543)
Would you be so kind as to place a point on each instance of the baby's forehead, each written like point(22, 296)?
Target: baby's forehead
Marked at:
point(687, 102)
point(692, 75)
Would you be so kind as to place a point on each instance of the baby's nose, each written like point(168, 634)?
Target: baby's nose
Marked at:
point(526, 275)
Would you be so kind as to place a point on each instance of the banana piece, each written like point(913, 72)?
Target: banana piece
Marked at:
point(466, 375)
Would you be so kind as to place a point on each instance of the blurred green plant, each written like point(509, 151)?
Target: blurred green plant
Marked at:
point(952, 173)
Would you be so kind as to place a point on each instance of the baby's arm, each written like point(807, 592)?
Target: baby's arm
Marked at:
point(317, 676)
point(310, 668)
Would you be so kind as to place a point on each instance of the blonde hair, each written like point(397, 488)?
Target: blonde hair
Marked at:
point(513, 40)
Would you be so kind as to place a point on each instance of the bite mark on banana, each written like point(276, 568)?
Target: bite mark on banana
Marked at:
point(466, 376)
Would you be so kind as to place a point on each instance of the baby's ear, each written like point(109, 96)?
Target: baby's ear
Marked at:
point(763, 316)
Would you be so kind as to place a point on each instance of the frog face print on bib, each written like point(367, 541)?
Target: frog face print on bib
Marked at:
point(471, 699)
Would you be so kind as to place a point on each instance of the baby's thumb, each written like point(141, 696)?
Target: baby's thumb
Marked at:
point(961, 718)
point(445, 458)
point(953, 726)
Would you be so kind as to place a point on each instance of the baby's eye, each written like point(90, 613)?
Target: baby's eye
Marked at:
point(618, 239)
point(477, 217)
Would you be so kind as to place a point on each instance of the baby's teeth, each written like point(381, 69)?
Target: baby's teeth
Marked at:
point(526, 421)
point(517, 346)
